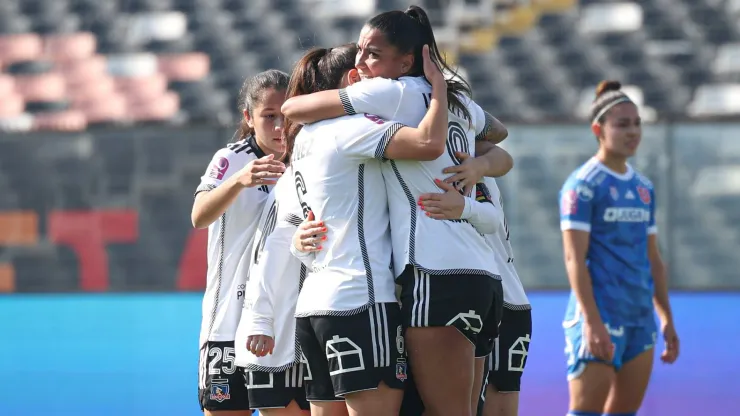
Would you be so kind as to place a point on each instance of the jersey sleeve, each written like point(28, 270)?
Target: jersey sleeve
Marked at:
point(373, 138)
point(221, 167)
point(576, 205)
point(483, 214)
point(479, 117)
point(652, 224)
point(380, 96)
point(272, 272)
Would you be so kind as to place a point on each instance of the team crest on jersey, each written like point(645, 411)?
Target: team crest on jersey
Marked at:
point(644, 194)
point(614, 192)
point(220, 392)
point(584, 193)
point(401, 369)
point(218, 169)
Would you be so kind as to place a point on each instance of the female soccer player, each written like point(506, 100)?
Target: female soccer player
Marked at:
point(444, 267)
point(607, 215)
point(507, 360)
point(229, 202)
point(266, 345)
point(349, 322)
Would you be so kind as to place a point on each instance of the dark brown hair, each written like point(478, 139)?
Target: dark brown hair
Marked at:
point(409, 31)
point(319, 69)
point(252, 93)
point(608, 92)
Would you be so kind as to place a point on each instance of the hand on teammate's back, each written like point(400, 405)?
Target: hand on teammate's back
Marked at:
point(466, 174)
point(262, 171)
point(443, 206)
point(310, 235)
point(599, 341)
point(431, 71)
point(671, 351)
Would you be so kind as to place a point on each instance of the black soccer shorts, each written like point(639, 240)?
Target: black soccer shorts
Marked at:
point(509, 357)
point(471, 303)
point(274, 390)
point(220, 382)
point(348, 354)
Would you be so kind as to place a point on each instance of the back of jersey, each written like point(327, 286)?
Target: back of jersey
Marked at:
point(437, 247)
point(337, 176)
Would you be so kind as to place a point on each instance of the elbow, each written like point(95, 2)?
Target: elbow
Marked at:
point(433, 149)
point(291, 111)
point(507, 164)
point(198, 221)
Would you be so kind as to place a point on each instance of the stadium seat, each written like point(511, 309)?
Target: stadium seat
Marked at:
point(715, 99)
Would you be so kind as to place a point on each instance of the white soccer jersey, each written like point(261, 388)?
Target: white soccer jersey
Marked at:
point(434, 246)
point(229, 241)
point(514, 296)
point(274, 280)
point(337, 175)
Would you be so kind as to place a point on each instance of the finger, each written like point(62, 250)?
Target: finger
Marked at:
point(453, 169)
point(311, 233)
point(433, 210)
point(445, 186)
point(436, 216)
point(313, 242)
point(306, 224)
point(468, 189)
point(425, 55)
point(456, 178)
point(312, 249)
point(266, 167)
point(462, 156)
point(310, 216)
point(268, 157)
point(267, 175)
point(429, 197)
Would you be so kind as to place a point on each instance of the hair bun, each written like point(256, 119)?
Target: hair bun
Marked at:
point(606, 86)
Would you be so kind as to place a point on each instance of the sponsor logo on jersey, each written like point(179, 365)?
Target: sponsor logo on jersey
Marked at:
point(218, 168)
point(626, 215)
point(240, 291)
point(569, 203)
point(614, 193)
point(629, 195)
point(220, 392)
point(644, 194)
point(584, 193)
point(375, 119)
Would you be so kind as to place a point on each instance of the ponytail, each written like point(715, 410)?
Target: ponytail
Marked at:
point(409, 31)
point(318, 70)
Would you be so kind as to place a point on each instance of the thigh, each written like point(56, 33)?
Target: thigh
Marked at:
point(509, 355)
point(460, 301)
point(631, 382)
point(364, 349)
point(273, 390)
point(221, 384)
point(590, 389)
point(317, 382)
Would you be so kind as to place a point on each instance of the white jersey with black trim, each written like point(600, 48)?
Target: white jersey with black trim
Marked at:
point(229, 242)
point(515, 298)
point(433, 246)
point(275, 276)
point(336, 168)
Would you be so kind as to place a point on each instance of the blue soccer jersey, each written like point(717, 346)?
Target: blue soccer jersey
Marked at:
point(618, 210)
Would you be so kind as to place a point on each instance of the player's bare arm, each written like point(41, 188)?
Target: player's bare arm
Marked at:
point(209, 205)
point(426, 142)
point(575, 247)
point(662, 302)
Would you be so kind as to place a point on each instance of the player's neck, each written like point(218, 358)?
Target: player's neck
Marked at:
point(617, 164)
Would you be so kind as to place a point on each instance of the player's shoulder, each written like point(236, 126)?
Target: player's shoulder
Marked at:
point(589, 174)
point(414, 83)
point(643, 180)
point(243, 150)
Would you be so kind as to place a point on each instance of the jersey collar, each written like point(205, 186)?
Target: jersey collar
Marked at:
point(257, 151)
point(622, 176)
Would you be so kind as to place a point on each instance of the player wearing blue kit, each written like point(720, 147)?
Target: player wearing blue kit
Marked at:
point(607, 216)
